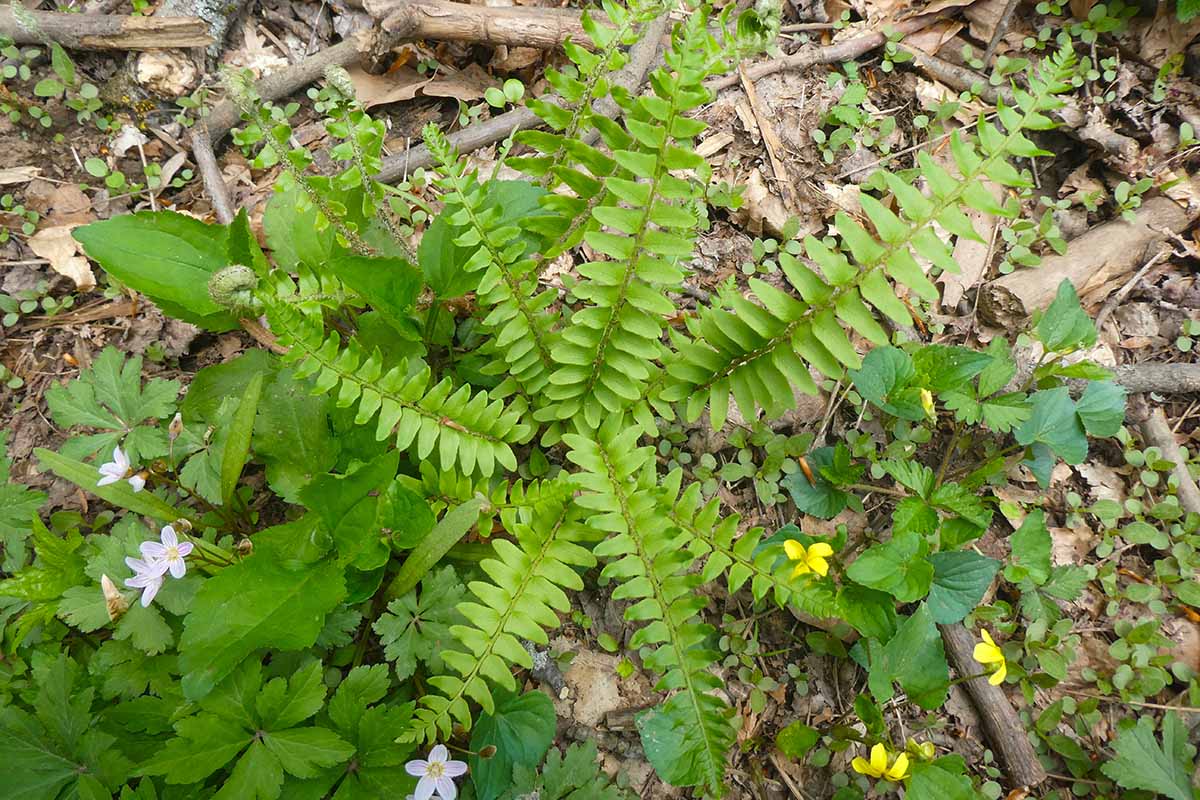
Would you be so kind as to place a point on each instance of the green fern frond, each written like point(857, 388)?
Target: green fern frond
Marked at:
point(758, 352)
point(522, 601)
point(518, 314)
point(446, 488)
point(649, 557)
point(467, 431)
point(644, 223)
point(743, 558)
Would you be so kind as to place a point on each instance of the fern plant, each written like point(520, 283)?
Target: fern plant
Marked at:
point(590, 379)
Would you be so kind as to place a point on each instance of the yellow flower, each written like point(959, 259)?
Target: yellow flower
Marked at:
point(927, 404)
point(988, 652)
point(808, 559)
point(878, 767)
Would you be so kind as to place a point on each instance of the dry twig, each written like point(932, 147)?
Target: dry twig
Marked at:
point(105, 31)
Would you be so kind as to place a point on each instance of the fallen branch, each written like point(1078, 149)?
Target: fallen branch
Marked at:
point(1105, 253)
point(1161, 378)
point(1001, 725)
point(1073, 120)
point(482, 134)
point(105, 32)
point(210, 174)
point(831, 54)
point(544, 28)
point(1156, 431)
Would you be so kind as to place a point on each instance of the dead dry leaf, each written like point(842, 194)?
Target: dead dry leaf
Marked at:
point(11, 175)
point(931, 39)
point(406, 83)
point(57, 246)
point(762, 210)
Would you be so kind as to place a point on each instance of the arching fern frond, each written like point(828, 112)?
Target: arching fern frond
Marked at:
point(743, 558)
point(447, 488)
point(649, 557)
point(465, 430)
point(758, 352)
point(522, 601)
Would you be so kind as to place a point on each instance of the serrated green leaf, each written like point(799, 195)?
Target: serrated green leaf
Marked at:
point(1140, 762)
point(960, 579)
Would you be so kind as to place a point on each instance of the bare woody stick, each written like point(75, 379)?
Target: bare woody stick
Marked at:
point(210, 173)
point(104, 31)
point(545, 28)
point(1156, 431)
point(1001, 725)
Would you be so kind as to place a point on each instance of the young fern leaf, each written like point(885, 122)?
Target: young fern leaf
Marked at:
point(522, 601)
point(644, 224)
point(758, 353)
point(445, 489)
point(687, 740)
point(743, 558)
point(466, 430)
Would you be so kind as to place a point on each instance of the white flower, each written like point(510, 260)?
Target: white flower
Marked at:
point(435, 774)
point(169, 552)
point(119, 469)
point(147, 576)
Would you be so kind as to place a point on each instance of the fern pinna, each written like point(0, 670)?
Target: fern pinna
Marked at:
point(592, 378)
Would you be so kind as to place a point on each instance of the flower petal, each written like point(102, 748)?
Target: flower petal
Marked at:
point(120, 459)
point(861, 766)
point(987, 653)
point(168, 537)
point(178, 567)
point(439, 753)
point(818, 565)
point(137, 482)
point(152, 550)
point(417, 767)
point(793, 549)
point(446, 788)
point(820, 549)
point(425, 787)
point(151, 590)
point(999, 675)
point(185, 548)
point(879, 758)
point(107, 479)
point(800, 569)
point(456, 768)
point(987, 637)
point(900, 768)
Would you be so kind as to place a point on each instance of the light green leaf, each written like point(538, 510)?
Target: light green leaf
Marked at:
point(1031, 547)
point(1065, 325)
point(898, 567)
point(253, 604)
point(1142, 763)
point(413, 629)
point(302, 751)
point(237, 443)
point(204, 743)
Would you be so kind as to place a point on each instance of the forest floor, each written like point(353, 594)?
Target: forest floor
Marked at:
point(801, 142)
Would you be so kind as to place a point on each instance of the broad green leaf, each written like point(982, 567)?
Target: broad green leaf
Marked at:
point(18, 505)
point(898, 567)
point(390, 285)
point(821, 499)
point(1101, 408)
point(302, 751)
point(886, 380)
point(521, 730)
point(931, 782)
point(687, 740)
point(1065, 326)
point(213, 384)
point(237, 443)
point(168, 257)
point(1054, 423)
point(257, 775)
point(253, 604)
point(1031, 547)
point(916, 659)
point(941, 368)
point(996, 375)
point(293, 233)
point(1142, 763)
point(292, 435)
point(204, 743)
point(795, 740)
point(960, 579)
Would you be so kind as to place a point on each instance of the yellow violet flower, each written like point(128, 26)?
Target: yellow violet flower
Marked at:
point(878, 767)
point(988, 652)
point(808, 559)
point(927, 404)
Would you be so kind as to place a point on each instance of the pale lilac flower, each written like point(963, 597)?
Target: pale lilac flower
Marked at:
point(435, 774)
point(147, 576)
point(119, 469)
point(170, 552)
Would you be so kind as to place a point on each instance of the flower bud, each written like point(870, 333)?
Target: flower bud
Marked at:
point(176, 427)
point(114, 601)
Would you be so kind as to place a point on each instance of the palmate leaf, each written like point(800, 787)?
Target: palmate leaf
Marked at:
point(758, 353)
point(415, 627)
point(649, 558)
point(464, 429)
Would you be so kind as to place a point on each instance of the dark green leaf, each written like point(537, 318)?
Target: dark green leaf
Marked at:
point(914, 657)
point(959, 580)
point(237, 444)
point(168, 257)
point(898, 567)
point(941, 368)
point(413, 628)
point(821, 499)
point(1101, 408)
point(390, 285)
point(521, 730)
point(1054, 423)
point(886, 380)
point(797, 739)
point(1142, 763)
point(1030, 550)
point(1065, 326)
